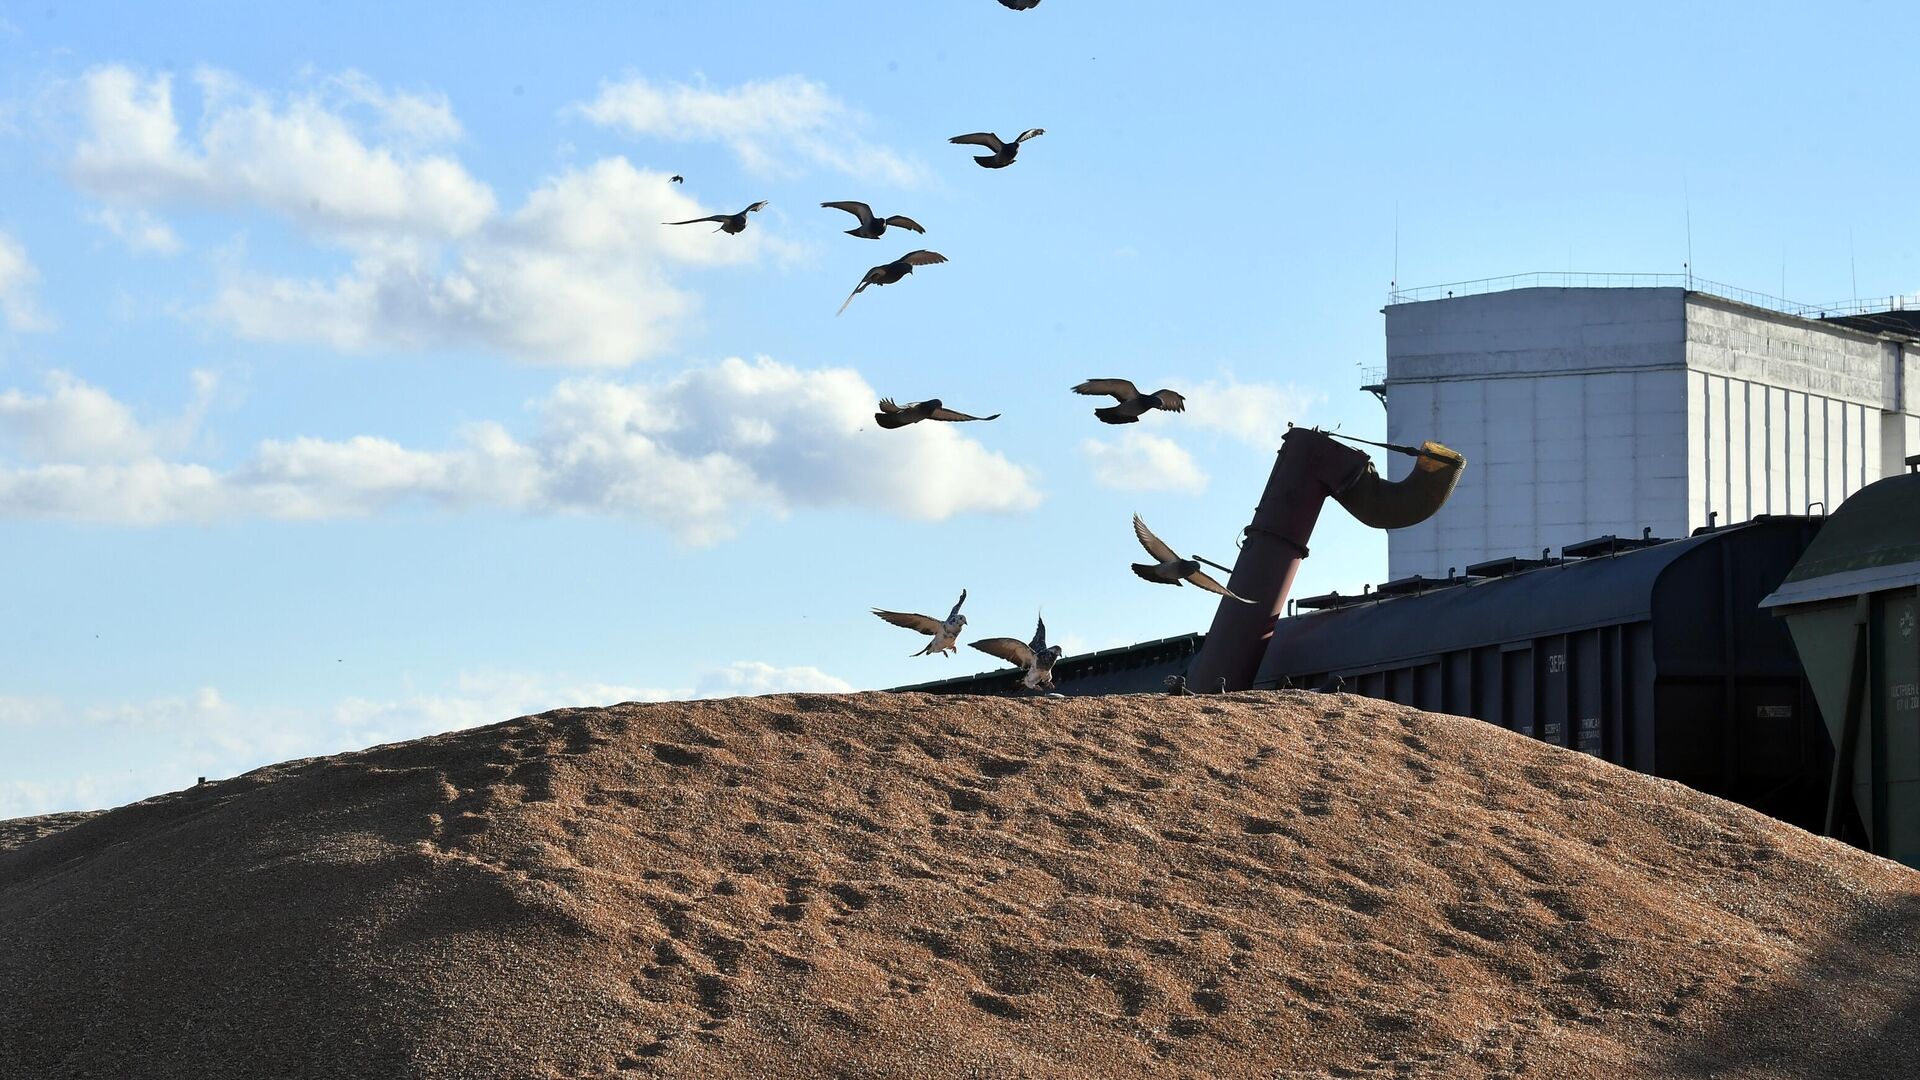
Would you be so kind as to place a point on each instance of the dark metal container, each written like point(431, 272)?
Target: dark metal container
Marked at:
point(1132, 669)
point(1657, 658)
point(1853, 606)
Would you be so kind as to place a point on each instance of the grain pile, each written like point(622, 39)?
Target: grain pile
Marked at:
point(17, 831)
point(1277, 884)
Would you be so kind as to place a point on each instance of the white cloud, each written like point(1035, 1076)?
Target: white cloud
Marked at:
point(578, 276)
point(19, 310)
point(160, 744)
point(31, 798)
point(474, 699)
point(1254, 413)
point(139, 230)
point(748, 677)
point(297, 157)
point(136, 749)
point(71, 422)
point(422, 119)
point(1141, 462)
point(774, 126)
point(581, 275)
point(696, 455)
point(75, 423)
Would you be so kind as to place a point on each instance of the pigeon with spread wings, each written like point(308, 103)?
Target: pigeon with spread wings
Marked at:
point(899, 416)
point(888, 273)
point(1133, 403)
point(1034, 658)
point(1000, 153)
point(1020, 5)
point(944, 634)
point(870, 227)
point(729, 223)
point(1171, 569)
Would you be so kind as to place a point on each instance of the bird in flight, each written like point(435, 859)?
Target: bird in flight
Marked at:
point(944, 634)
point(1034, 658)
point(899, 416)
point(1020, 5)
point(1132, 401)
point(677, 178)
point(888, 273)
point(729, 223)
point(870, 227)
point(1001, 154)
point(1171, 569)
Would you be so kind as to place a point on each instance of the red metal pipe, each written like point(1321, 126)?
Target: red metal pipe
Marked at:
point(1311, 467)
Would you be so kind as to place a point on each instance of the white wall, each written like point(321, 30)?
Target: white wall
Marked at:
point(1569, 404)
point(1584, 412)
point(1786, 412)
point(1767, 450)
point(1900, 426)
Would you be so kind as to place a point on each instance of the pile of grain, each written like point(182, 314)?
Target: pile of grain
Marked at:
point(1260, 885)
point(17, 831)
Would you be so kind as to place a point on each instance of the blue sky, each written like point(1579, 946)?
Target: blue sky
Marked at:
point(350, 390)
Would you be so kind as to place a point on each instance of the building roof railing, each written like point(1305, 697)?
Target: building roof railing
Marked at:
point(1557, 279)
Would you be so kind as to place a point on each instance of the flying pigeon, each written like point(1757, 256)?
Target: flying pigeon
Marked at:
point(899, 416)
point(1001, 153)
point(889, 273)
point(1034, 659)
point(1020, 5)
point(729, 223)
point(944, 634)
point(1132, 401)
point(870, 227)
point(677, 178)
point(1172, 569)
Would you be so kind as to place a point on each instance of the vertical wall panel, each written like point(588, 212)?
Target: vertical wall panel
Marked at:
point(1869, 447)
point(1793, 453)
point(1699, 453)
point(1428, 692)
point(1551, 690)
point(1457, 690)
point(1817, 450)
point(1779, 453)
point(1836, 452)
point(1489, 700)
point(1516, 690)
point(1714, 390)
point(1738, 445)
point(1586, 670)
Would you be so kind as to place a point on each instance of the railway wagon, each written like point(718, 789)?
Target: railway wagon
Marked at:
point(1655, 656)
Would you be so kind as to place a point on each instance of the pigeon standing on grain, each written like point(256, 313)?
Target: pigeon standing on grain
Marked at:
point(944, 634)
point(729, 223)
point(1000, 154)
point(870, 227)
point(1171, 569)
point(888, 273)
point(899, 416)
point(1034, 658)
point(1132, 402)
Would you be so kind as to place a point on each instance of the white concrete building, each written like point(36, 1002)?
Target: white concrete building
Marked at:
point(1591, 411)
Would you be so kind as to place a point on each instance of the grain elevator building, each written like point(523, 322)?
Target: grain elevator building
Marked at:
point(1591, 405)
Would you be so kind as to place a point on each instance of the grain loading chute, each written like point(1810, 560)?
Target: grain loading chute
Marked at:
point(1312, 467)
